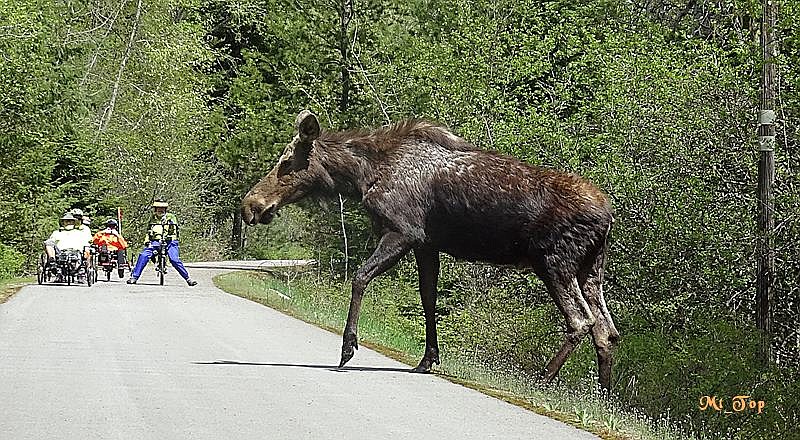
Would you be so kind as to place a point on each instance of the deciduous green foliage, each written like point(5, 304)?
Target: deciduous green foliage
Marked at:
point(108, 103)
point(107, 107)
point(40, 140)
point(656, 105)
point(10, 261)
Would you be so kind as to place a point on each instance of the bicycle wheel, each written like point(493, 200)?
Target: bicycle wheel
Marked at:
point(162, 263)
point(40, 268)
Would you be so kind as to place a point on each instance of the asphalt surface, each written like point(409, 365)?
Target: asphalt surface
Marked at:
point(172, 362)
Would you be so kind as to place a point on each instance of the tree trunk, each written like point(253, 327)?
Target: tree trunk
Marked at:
point(115, 90)
point(346, 14)
point(93, 61)
point(236, 237)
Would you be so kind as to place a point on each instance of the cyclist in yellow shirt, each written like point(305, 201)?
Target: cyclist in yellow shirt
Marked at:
point(165, 228)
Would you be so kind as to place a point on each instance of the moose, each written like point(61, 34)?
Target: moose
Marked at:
point(428, 191)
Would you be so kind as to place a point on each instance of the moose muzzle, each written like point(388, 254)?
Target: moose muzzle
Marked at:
point(258, 210)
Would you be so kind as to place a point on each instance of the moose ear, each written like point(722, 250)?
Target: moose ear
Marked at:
point(307, 126)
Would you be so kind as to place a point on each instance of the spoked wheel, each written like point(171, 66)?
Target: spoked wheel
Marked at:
point(123, 263)
point(48, 274)
point(161, 269)
point(40, 269)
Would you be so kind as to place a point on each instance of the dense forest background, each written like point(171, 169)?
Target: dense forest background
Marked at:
point(108, 103)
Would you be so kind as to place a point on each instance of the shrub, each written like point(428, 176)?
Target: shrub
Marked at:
point(11, 262)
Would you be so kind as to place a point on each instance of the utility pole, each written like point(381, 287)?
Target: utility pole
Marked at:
point(766, 176)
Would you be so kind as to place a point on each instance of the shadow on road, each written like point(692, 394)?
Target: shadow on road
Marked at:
point(321, 367)
point(139, 283)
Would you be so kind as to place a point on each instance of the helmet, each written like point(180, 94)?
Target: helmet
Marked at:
point(112, 222)
point(76, 213)
point(159, 203)
point(67, 216)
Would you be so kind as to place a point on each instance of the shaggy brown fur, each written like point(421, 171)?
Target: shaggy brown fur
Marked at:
point(429, 191)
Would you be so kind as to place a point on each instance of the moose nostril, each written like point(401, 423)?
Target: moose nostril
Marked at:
point(251, 211)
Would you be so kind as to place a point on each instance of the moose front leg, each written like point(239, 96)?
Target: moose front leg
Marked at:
point(391, 248)
point(428, 268)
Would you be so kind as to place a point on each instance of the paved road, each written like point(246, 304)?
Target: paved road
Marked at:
point(173, 362)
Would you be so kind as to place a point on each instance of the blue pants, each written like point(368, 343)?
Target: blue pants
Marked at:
point(172, 253)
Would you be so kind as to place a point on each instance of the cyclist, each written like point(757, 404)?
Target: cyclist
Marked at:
point(66, 237)
point(113, 240)
point(82, 223)
point(162, 229)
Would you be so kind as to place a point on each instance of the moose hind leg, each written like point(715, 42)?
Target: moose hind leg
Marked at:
point(579, 319)
point(428, 268)
point(601, 336)
point(604, 333)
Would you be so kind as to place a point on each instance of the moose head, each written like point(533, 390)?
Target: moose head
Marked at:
point(297, 173)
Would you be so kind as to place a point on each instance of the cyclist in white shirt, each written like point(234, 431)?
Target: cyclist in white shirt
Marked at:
point(67, 237)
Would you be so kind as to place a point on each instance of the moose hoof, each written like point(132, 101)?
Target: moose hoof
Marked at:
point(425, 364)
point(423, 367)
point(348, 349)
point(431, 356)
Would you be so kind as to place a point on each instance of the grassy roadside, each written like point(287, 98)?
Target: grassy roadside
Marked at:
point(11, 286)
point(324, 304)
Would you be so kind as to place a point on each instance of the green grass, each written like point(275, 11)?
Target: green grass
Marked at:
point(9, 287)
point(386, 326)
